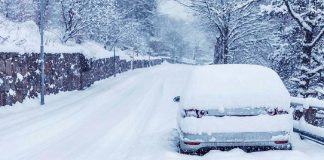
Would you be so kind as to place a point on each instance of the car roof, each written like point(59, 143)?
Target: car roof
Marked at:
point(234, 85)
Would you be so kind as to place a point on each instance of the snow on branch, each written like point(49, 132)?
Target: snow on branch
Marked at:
point(297, 17)
point(244, 5)
point(316, 39)
point(318, 59)
point(211, 18)
point(316, 70)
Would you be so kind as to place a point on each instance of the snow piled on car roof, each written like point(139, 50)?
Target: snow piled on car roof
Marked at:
point(234, 86)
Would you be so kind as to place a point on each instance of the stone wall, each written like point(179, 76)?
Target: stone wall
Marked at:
point(20, 73)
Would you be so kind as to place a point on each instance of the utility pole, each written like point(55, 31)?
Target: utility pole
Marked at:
point(114, 61)
point(149, 58)
point(42, 55)
point(174, 56)
point(132, 63)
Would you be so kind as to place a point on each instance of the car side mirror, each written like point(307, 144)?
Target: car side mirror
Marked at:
point(176, 99)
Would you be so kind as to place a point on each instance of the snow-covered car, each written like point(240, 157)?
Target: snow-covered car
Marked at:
point(234, 106)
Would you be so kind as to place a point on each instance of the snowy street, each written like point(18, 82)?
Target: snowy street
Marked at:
point(130, 117)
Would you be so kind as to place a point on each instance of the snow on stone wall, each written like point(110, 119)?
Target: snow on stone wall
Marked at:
point(20, 74)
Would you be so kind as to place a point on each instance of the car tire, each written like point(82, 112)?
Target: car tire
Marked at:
point(181, 151)
point(290, 147)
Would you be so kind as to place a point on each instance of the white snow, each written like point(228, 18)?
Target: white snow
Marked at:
point(20, 77)
point(270, 8)
point(304, 126)
point(234, 86)
point(298, 17)
point(280, 137)
point(12, 92)
point(261, 123)
point(308, 102)
point(130, 117)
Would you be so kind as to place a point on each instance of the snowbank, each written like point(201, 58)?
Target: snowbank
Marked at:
point(25, 38)
point(187, 61)
point(234, 86)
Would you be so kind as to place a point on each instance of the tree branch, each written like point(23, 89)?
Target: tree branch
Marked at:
point(297, 17)
point(316, 39)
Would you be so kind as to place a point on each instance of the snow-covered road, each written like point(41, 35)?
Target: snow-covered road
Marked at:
point(131, 117)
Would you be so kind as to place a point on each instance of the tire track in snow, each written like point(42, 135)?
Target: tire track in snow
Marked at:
point(58, 118)
point(116, 147)
point(98, 127)
point(20, 119)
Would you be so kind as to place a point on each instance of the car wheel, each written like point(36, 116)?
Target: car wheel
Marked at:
point(289, 147)
point(181, 151)
point(202, 151)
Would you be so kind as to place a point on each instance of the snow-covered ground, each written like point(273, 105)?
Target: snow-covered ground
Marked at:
point(24, 37)
point(130, 117)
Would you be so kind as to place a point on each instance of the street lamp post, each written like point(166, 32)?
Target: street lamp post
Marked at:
point(132, 62)
point(114, 61)
point(42, 55)
point(149, 60)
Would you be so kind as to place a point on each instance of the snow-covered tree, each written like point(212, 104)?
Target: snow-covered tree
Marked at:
point(238, 30)
point(18, 10)
point(75, 17)
point(308, 15)
point(139, 14)
point(106, 26)
point(142, 11)
point(171, 38)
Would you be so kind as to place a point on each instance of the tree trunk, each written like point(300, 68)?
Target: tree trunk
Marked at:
point(218, 59)
point(226, 56)
point(225, 45)
point(306, 64)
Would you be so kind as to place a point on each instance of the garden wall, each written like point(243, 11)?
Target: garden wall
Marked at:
point(20, 73)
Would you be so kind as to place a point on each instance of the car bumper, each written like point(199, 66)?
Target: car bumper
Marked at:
point(274, 140)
